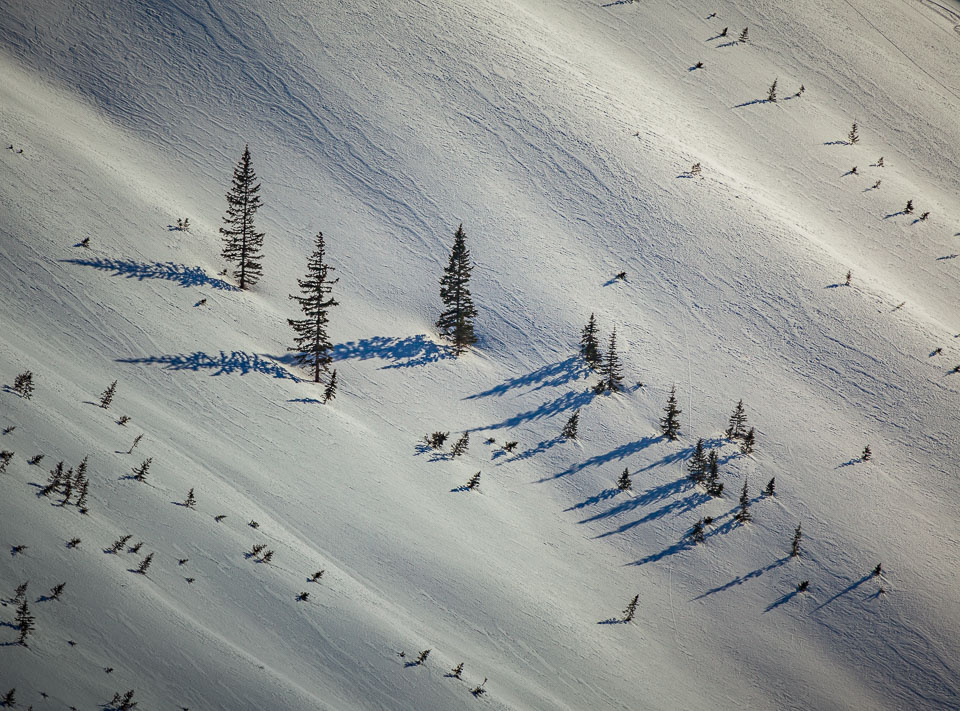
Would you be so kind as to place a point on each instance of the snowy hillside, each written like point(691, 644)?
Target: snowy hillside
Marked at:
point(562, 136)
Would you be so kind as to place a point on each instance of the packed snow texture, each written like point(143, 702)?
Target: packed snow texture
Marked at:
point(561, 135)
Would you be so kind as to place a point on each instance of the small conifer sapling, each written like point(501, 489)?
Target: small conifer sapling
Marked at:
point(631, 610)
point(795, 544)
point(459, 447)
point(191, 500)
point(749, 440)
point(570, 429)
point(140, 473)
point(478, 690)
point(624, 483)
point(696, 533)
point(770, 490)
point(744, 515)
point(10, 698)
point(25, 622)
point(853, 137)
point(315, 578)
point(908, 210)
point(106, 397)
point(867, 454)
point(612, 368)
point(23, 385)
point(422, 657)
point(772, 92)
point(145, 564)
point(474, 482)
point(330, 392)
point(802, 586)
point(5, 458)
point(744, 35)
point(119, 544)
point(457, 671)
point(697, 464)
point(589, 345)
point(670, 422)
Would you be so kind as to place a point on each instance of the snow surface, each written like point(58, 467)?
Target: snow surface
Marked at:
point(559, 134)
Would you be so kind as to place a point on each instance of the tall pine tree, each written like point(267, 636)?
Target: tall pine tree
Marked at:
point(612, 369)
point(241, 241)
point(670, 422)
point(456, 320)
point(312, 343)
point(589, 346)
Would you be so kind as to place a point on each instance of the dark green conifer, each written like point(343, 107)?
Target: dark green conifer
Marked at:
point(456, 320)
point(312, 344)
point(241, 241)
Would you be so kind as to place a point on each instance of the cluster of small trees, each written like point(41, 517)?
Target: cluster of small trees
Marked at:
point(608, 365)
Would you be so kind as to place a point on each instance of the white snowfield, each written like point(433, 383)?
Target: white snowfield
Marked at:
point(560, 133)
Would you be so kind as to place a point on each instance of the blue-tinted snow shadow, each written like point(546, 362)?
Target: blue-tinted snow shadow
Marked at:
point(223, 363)
point(783, 600)
point(687, 543)
point(849, 589)
point(181, 274)
point(755, 101)
point(741, 579)
point(621, 452)
point(549, 376)
point(571, 400)
point(401, 352)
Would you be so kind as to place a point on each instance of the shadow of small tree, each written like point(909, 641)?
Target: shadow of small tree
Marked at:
point(620, 453)
point(741, 579)
point(571, 400)
point(181, 274)
point(549, 376)
point(849, 589)
point(613, 621)
point(234, 362)
point(406, 352)
point(686, 543)
point(541, 447)
point(783, 600)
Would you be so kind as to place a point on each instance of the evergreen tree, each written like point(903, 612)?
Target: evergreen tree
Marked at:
point(23, 385)
point(56, 591)
point(612, 369)
point(867, 454)
point(145, 564)
point(459, 447)
point(670, 422)
point(21, 591)
point(712, 479)
point(772, 92)
point(745, 35)
point(795, 544)
point(697, 465)
point(589, 346)
point(330, 391)
point(749, 439)
point(54, 482)
point(631, 610)
point(853, 137)
point(241, 241)
point(107, 396)
point(24, 622)
point(474, 482)
point(5, 458)
point(877, 572)
point(423, 656)
point(771, 487)
point(120, 543)
point(624, 483)
point(191, 500)
point(570, 429)
point(140, 473)
point(312, 345)
point(744, 515)
point(738, 419)
point(9, 699)
point(457, 671)
point(456, 320)
point(908, 210)
point(696, 533)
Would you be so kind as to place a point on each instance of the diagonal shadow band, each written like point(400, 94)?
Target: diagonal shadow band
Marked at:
point(181, 274)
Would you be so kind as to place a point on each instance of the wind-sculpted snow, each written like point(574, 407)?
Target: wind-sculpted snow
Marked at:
point(620, 159)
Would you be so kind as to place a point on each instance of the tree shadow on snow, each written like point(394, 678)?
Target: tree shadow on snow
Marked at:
point(306, 401)
point(612, 621)
point(539, 449)
point(677, 508)
point(837, 143)
point(849, 589)
point(234, 362)
point(686, 543)
point(755, 101)
point(402, 352)
point(894, 214)
point(620, 453)
point(783, 600)
point(947, 256)
point(549, 376)
point(181, 274)
point(741, 579)
point(593, 500)
point(568, 401)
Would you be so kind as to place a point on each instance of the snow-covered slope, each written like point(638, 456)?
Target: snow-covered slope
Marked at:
point(559, 134)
